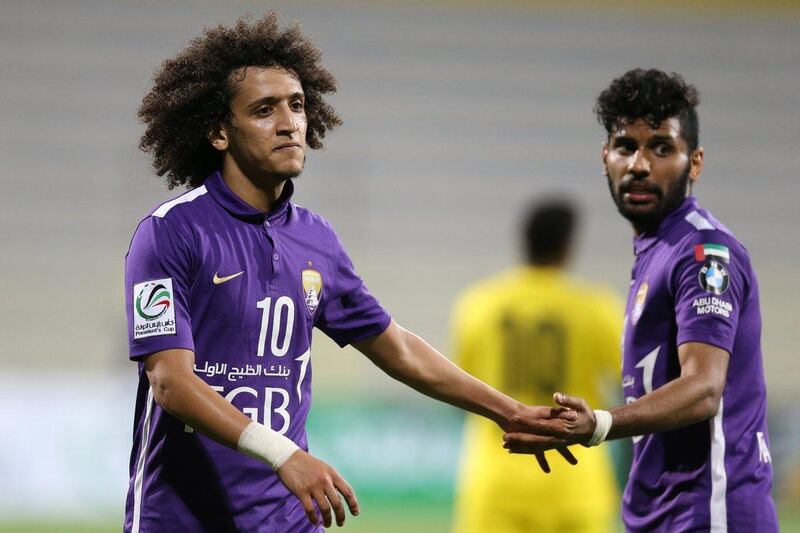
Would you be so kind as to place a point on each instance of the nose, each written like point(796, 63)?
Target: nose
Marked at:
point(287, 122)
point(639, 165)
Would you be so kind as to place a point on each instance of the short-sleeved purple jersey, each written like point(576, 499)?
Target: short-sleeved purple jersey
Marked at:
point(693, 282)
point(243, 290)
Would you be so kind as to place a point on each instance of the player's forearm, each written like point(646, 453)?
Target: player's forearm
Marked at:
point(411, 360)
point(189, 399)
point(686, 400)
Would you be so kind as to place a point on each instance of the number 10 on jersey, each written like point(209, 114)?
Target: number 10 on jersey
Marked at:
point(278, 347)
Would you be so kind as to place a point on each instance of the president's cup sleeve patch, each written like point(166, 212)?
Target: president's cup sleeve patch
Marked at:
point(153, 308)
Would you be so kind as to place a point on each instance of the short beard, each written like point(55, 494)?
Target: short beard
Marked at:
point(273, 176)
point(292, 173)
point(669, 202)
point(284, 176)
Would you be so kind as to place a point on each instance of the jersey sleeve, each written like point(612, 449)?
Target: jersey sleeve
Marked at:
point(710, 286)
point(158, 274)
point(350, 313)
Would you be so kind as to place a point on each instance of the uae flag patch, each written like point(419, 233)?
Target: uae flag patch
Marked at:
point(712, 251)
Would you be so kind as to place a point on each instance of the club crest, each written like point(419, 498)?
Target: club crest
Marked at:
point(312, 289)
point(638, 302)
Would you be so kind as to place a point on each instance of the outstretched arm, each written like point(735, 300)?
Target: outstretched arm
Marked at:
point(409, 359)
point(693, 397)
point(178, 390)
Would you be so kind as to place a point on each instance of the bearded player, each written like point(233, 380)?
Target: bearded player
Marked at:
point(693, 379)
point(224, 285)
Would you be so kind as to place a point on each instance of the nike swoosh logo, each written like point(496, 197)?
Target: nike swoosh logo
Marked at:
point(217, 280)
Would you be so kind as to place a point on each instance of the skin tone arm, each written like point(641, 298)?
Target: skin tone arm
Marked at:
point(409, 359)
point(691, 398)
point(183, 394)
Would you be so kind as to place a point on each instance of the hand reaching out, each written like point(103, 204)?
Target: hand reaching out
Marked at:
point(571, 423)
point(584, 423)
point(547, 423)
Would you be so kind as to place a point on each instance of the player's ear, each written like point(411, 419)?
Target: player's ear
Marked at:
point(696, 165)
point(218, 137)
point(603, 156)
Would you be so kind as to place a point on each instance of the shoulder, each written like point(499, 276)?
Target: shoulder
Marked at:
point(482, 295)
point(704, 236)
point(309, 220)
point(184, 207)
point(173, 218)
point(177, 213)
point(708, 252)
point(491, 284)
point(182, 203)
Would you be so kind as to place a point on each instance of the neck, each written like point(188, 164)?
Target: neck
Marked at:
point(652, 226)
point(558, 264)
point(260, 193)
point(638, 229)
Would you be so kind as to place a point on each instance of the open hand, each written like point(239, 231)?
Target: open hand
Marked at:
point(314, 481)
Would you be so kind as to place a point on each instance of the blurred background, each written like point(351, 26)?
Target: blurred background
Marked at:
point(455, 116)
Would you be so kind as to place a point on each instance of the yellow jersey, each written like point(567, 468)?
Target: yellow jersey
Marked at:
point(531, 332)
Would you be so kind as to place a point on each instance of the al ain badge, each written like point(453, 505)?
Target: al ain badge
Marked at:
point(312, 289)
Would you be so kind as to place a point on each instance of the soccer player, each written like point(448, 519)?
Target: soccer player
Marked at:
point(530, 332)
point(223, 287)
point(693, 379)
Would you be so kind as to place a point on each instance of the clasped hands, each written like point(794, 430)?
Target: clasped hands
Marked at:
point(536, 429)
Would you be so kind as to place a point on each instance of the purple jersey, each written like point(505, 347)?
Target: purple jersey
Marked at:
point(209, 273)
point(692, 282)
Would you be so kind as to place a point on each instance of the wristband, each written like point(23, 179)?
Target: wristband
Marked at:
point(262, 443)
point(601, 429)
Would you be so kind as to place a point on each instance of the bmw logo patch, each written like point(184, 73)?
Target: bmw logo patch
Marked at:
point(713, 277)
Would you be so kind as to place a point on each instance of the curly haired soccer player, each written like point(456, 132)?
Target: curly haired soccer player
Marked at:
point(224, 285)
point(693, 379)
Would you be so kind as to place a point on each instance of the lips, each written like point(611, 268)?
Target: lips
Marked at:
point(639, 197)
point(639, 193)
point(287, 146)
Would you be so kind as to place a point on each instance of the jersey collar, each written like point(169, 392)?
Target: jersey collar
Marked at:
point(237, 207)
point(644, 241)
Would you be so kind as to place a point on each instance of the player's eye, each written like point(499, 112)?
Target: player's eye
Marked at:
point(662, 149)
point(264, 111)
point(625, 147)
point(298, 105)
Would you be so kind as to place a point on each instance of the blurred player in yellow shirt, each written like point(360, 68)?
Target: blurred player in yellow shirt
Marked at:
point(530, 332)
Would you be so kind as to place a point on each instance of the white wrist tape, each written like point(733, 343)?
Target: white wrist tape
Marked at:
point(603, 419)
point(269, 446)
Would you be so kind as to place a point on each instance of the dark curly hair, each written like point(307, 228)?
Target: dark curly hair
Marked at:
point(653, 96)
point(192, 92)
